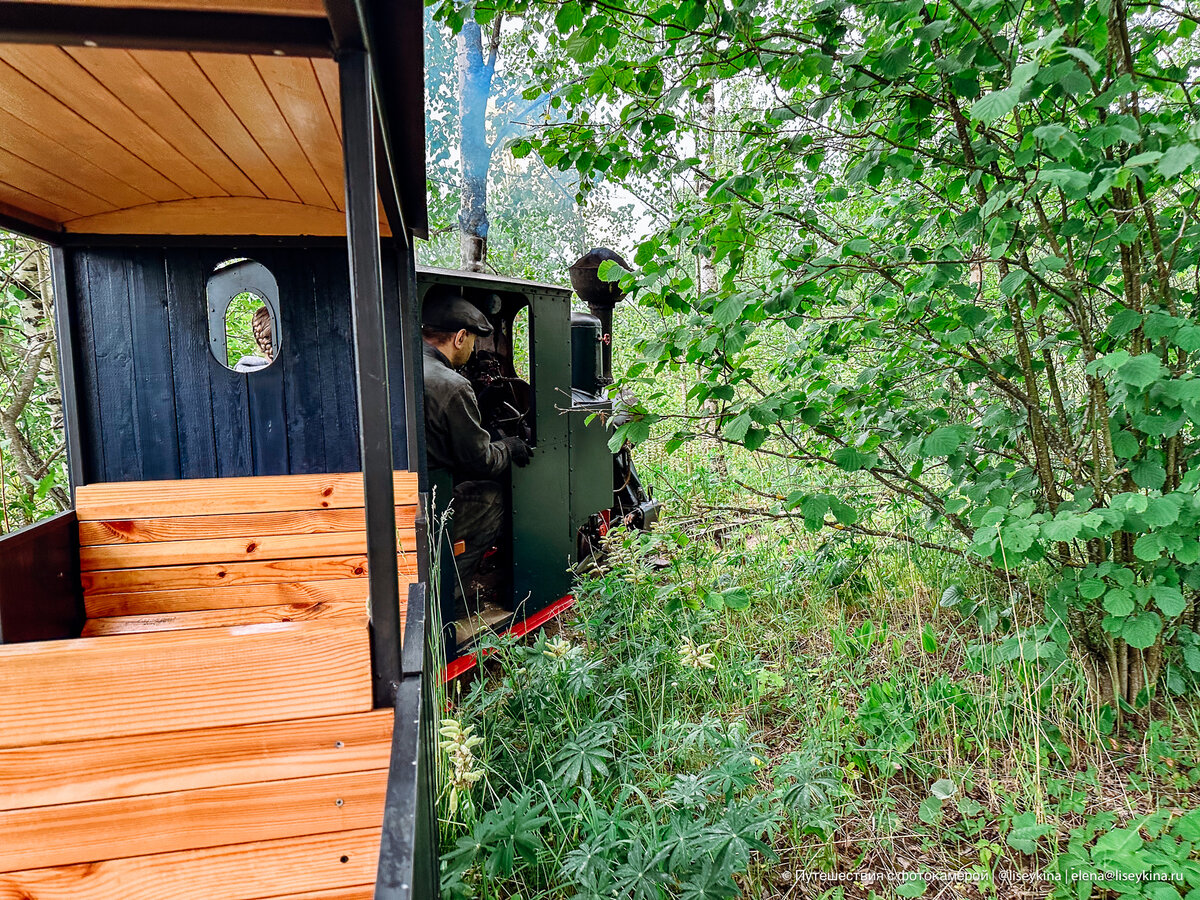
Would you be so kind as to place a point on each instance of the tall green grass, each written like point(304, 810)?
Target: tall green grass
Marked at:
point(733, 711)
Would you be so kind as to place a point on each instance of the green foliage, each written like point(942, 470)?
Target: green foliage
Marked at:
point(953, 257)
point(811, 736)
point(33, 478)
point(586, 735)
point(239, 335)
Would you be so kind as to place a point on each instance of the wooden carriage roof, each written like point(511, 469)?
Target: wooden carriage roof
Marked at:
point(200, 117)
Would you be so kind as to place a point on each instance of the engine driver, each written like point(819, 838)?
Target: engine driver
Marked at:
point(454, 436)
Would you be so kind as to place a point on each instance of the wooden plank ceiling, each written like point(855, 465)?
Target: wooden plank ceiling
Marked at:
point(157, 142)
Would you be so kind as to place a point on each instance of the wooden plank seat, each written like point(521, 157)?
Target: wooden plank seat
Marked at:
point(251, 871)
point(212, 734)
point(208, 746)
point(87, 688)
point(203, 553)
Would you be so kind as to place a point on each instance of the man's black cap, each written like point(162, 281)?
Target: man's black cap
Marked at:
point(446, 309)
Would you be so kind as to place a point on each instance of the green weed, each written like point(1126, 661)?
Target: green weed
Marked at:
point(729, 725)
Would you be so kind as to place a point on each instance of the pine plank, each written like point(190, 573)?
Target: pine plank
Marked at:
point(42, 183)
point(32, 206)
point(47, 114)
point(216, 215)
point(239, 82)
point(136, 88)
point(185, 820)
point(210, 496)
point(232, 575)
point(151, 603)
point(179, 75)
point(239, 872)
point(237, 549)
point(298, 95)
point(91, 688)
point(188, 760)
point(183, 528)
point(228, 575)
point(26, 141)
point(14, 212)
point(57, 72)
point(326, 71)
point(219, 618)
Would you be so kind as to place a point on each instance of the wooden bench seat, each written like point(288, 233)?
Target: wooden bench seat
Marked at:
point(278, 548)
point(135, 765)
point(126, 684)
point(325, 866)
point(212, 733)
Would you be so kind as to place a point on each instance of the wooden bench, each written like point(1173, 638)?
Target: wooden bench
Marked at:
point(207, 552)
point(212, 734)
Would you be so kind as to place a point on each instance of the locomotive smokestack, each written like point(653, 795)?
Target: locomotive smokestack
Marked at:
point(600, 296)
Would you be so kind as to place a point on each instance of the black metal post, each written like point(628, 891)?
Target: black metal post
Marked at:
point(370, 357)
point(65, 338)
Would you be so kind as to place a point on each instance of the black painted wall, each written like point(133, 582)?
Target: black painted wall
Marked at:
point(155, 404)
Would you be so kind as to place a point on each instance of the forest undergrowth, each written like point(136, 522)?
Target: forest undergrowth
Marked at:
point(750, 709)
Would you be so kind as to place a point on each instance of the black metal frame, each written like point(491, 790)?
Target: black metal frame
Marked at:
point(370, 361)
point(408, 848)
point(392, 33)
point(164, 29)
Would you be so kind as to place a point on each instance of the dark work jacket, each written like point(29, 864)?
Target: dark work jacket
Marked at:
point(454, 438)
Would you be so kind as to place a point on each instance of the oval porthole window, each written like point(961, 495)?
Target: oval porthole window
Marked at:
point(243, 315)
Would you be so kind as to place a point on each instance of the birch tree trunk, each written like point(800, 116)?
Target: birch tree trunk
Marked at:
point(475, 73)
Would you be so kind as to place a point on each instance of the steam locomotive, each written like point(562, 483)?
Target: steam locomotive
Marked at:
point(542, 376)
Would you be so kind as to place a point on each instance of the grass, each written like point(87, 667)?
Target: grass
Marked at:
point(759, 712)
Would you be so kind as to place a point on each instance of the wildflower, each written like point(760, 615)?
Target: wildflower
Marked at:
point(459, 745)
point(696, 656)
point(558, 648)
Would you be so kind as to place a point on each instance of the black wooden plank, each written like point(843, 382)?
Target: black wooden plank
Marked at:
point(90, 423)
point(193, 363)
point(268, 422)
point(299, 358)
point(338, 400)
point(150, 334)
point(108, 290)
point(230, 407)
point(231, 423)
point(40, 595)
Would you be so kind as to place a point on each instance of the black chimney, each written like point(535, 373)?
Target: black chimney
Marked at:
point(600, 296)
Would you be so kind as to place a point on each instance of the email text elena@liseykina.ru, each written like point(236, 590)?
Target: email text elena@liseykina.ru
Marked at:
point(867, 878)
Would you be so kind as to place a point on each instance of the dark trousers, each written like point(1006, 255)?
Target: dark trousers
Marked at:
point(478, 514)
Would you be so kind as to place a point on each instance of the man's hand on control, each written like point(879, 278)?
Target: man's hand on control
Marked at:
point(518, 451)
